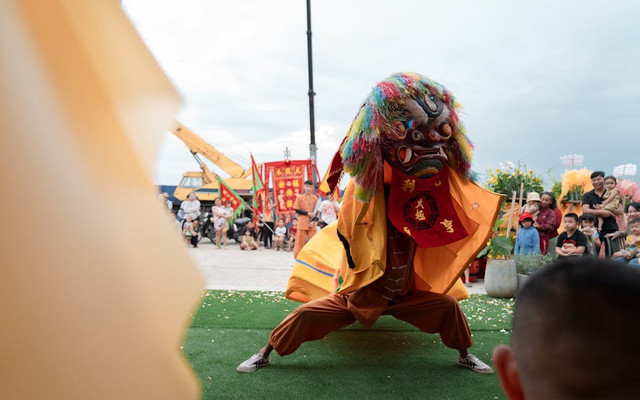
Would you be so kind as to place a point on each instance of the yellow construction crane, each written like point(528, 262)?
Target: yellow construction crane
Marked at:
point(204, 182)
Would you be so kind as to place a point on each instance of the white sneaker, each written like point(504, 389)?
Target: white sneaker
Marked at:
point(254, 363)
point(473, 363)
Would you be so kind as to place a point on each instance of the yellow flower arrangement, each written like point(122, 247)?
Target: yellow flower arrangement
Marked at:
point(575, 182)
point(507, 179)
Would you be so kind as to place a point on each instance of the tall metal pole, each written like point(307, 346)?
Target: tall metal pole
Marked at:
point(312, 146)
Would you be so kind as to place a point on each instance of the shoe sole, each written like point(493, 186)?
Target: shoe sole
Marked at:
point(253, 370)
point(478, 371)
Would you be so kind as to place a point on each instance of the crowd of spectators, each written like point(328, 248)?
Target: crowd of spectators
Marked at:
point(543, 227)
point(595, 232)
point(188, 222)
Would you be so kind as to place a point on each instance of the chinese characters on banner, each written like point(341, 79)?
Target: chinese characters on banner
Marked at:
point(226, 193)
point(288, 177)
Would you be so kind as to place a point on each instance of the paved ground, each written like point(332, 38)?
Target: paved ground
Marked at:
point(242, 270)
point(263, 269)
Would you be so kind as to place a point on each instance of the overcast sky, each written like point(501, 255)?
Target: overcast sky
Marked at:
point(537, 80)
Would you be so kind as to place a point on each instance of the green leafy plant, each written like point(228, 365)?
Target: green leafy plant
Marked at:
point(574, 194)
point(499, 247)
point(507, 179)
point(530, 263)
point(556, 189)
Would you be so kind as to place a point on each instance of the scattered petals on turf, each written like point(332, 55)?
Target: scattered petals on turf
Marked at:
point(487, 313)
point(228, 322)
point(246, 301)
point(483, 312)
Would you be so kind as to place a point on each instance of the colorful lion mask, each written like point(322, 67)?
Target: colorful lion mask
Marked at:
point(399, 104)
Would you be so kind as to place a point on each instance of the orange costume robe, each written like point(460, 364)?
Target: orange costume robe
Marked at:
point(391, 275)
point(306, 228)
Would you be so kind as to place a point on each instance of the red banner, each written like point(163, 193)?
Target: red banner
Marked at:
point(226, 193)
point(288, 178)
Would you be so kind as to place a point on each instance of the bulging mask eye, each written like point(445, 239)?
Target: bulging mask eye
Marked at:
point(431, 105)
point(399, 130)
point(445, 130)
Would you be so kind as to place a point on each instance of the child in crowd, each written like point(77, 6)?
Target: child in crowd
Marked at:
point(532, 206)
point(187, 229)
point(281, 233)
point(249, 240)
point(610, 198)
point(527, 240)
point(228, 215)
point(588, 227)
point(571, 242)
point(630, 253)
point(293, 229)
point(195, 229)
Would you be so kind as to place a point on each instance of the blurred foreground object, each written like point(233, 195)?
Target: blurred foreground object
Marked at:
point(95, 287)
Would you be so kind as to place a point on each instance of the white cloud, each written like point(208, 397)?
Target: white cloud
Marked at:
point(537, 79)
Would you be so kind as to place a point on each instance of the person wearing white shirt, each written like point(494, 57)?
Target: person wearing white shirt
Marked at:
point(329, 208)
point(191, 206)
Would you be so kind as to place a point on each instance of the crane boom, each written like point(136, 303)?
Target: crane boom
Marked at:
point(197, 145)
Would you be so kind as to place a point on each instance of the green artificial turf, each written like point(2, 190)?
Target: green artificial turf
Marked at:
point(393, 360)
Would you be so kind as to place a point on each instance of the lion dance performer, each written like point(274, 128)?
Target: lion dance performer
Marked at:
point(410, 223)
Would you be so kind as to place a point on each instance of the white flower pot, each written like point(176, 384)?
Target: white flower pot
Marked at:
point(522, 279)
point(500, 279)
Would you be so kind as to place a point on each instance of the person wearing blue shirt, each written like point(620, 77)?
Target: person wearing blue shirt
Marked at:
point(527, 240)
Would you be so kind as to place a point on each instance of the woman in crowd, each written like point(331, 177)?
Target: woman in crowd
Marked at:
point(219, 220)
point(191, 206)
point(546, 222)
point(633, 212)
point(554, 234)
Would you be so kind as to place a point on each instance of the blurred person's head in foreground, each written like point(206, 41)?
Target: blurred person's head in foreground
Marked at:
point(575, 328)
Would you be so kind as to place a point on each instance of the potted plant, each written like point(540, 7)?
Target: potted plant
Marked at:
point(498, 248)
point(500, 278)
point(529, 264)
point(508, 178)
point(575, 182)
point(575, 193)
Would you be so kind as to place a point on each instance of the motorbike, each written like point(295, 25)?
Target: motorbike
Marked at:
point(206, 228)
point(237, 228)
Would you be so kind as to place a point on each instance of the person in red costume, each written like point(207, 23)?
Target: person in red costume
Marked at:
point(410, 222)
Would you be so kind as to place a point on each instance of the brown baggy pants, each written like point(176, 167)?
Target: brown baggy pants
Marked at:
point(430, 312)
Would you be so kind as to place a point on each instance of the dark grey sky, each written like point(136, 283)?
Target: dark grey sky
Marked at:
point(537, 79)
